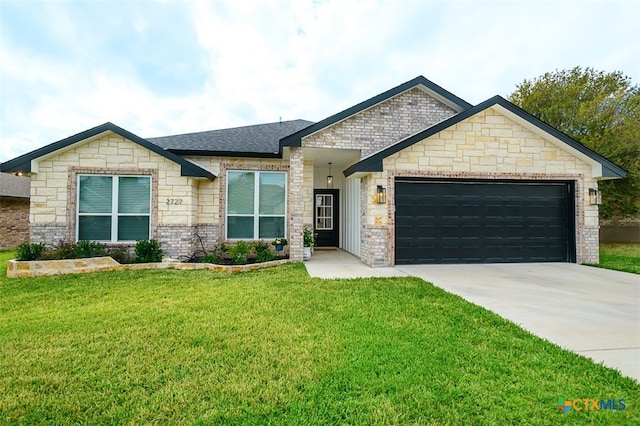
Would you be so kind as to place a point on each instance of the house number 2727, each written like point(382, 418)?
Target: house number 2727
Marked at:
point(174, 201)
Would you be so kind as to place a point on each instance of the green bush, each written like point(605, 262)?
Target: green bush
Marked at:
point(63, 250)
point(239, 252)
point(263, 252)
point(309, 237)
point(86, 248)
point(120, 254)
point(211, 258)
point(29, 251)
point(148, 251)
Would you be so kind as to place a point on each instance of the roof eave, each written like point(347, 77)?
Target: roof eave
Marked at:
point(374, 162)
point(207, 153)
point(24, 162)
point(365, 166)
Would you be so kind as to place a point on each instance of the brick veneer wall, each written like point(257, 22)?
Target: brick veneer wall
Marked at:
point(296, 196)
point(48, 233)
point(14, 222)
point(383, 124)
point(182, 240)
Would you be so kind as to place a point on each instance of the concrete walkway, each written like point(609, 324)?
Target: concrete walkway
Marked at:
point(336, 263)
point(590, 311)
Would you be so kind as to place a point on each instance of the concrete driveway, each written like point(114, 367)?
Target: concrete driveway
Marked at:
point(593, 312)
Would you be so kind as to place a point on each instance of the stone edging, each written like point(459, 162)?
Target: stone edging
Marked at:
point(39, 268)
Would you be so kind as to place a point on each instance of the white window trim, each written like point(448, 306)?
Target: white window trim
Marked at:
point(256, 204)
point(115, 188)
point(325, 206)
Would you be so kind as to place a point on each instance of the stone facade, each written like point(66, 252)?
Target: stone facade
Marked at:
point(174, 198)
point(491, 146)
point(14, 218)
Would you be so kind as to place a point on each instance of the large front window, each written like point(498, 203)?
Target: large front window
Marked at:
point(256, 205)
point(114, 208)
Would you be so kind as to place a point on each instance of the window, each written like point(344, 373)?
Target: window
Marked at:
point(113, 208)
point(256, 205)
point(324, 212)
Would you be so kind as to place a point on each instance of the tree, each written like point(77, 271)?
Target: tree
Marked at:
point(601, 111)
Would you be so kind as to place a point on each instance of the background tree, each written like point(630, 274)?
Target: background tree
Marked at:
point(601, 111)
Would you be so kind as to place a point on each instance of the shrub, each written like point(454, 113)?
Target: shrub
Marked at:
point(211, 258)
point(265, 256)
point(309, 237)
point(86, 248)
point(29, 251)
point(62, 250)
point(263, 252)
point(239, 252)
point(119, 253)
point(148, 251)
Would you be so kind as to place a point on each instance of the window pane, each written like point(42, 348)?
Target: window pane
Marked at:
point(272, 193)
point(240, 193)
point(240, 227)
point(133, 194)
point(133, 228)
point(271, 227)
point(95, 194)
point(95, 228)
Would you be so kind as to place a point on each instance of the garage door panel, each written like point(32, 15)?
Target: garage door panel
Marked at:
point(474, 222)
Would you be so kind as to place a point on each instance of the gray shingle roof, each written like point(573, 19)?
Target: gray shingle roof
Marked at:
point(14, 186)
point(257, 139)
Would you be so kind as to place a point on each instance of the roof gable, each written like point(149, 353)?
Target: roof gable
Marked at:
point(23, 163)
point(374, 162)
point(442, 95)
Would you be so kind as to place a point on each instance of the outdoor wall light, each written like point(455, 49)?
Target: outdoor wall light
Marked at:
point(381, 195)
point(330, 178)
point(595, 197)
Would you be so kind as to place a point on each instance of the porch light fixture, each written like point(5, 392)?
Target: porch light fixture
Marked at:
point(381, 195)
point(329, 178)
point(595, 197)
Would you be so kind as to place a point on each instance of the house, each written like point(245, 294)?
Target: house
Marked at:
point(412, 175)
point(14, 210)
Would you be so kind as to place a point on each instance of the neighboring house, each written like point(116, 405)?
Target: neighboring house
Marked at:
point(14, 210)
point(418, 175)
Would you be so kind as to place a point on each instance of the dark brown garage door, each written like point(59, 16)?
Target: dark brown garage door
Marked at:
point(484, 222)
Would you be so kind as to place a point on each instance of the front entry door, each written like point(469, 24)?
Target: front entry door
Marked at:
point(325, 217)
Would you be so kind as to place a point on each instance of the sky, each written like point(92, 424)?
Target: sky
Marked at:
point(161, 67)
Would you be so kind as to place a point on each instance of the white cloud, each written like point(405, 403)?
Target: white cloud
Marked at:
point(253, 61)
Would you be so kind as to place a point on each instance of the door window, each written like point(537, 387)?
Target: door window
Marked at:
point(324, 212)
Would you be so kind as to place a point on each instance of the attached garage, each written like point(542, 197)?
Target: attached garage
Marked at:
point(484, 221)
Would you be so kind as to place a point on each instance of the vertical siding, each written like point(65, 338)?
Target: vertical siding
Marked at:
point(351, 229)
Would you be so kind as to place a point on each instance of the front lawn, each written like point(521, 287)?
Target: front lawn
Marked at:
point(278, 347)
point(620, 256)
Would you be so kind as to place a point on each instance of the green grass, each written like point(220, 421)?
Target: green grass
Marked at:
point(621, 257)
point(278, 347)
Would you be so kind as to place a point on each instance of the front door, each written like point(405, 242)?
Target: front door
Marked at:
point(325, 217)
